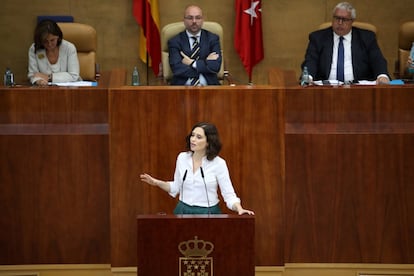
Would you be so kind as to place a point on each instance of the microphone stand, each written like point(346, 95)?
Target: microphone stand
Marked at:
point(182, 189)
point(205, 186)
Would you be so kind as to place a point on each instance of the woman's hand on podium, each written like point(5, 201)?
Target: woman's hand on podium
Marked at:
point(240, 210)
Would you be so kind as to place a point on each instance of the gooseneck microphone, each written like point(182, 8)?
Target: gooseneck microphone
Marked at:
point(205, 186)
point(182, 185)
point(185, 175)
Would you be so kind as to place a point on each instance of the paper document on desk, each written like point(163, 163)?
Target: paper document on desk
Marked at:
point(75, 83)
point(366, 82)
point(335, 82)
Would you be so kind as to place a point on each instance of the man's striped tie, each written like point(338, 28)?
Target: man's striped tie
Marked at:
point(195, 54)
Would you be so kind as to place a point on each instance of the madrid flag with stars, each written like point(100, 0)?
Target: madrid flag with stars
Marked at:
point(248, 39)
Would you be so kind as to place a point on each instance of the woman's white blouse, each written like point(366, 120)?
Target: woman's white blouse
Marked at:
point(66, 68)
point(193, 190)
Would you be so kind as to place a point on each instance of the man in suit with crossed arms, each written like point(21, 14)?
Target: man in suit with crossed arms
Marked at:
point(362, 58)
point(191, 68)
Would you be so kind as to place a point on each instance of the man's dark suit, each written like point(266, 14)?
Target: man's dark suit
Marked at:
point(367, 59)
point(209, 43)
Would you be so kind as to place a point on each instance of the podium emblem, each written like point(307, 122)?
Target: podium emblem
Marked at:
point(196, 261)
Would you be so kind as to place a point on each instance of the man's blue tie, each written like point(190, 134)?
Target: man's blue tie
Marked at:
point(195, 54)
point(340, 64)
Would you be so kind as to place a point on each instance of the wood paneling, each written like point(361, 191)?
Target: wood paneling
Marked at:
point(327, 170)
point(54, 171)
point(349, 156)
point(148, 129)
point(53, 106)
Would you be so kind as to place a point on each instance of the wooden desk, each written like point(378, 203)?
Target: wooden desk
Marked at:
point(349, 159)
point(328, 171)
point(54, 175)
point(231, 237)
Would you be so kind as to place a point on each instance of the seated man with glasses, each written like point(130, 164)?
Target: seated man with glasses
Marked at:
point(194, 54)
point(345, 53)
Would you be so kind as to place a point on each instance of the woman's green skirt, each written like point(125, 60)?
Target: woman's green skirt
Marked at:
point(185, 209)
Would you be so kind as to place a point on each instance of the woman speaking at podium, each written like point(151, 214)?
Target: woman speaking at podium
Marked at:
point(198, 173)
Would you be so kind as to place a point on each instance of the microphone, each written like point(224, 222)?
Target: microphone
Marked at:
point(185, 175)
point(182, 185)
point(202, 172)
point(205, 186)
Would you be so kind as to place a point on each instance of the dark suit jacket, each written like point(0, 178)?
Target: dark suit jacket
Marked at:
point(367, 59)
point(209, 43)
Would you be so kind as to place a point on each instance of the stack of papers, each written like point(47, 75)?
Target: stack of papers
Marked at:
point(365, 82)
point(74, 83)
point(361, 82)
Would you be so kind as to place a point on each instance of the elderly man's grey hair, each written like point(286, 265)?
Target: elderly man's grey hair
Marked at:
point(346, 6)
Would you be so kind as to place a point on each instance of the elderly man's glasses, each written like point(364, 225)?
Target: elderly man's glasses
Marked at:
point(189, 17)
point(342, 19)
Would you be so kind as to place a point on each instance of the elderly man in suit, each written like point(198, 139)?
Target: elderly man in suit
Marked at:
point(343, 52)
point(194, 54)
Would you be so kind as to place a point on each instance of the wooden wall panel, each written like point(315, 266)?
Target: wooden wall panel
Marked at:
point(328, 171)
point(349, 156)
point(54, 197)
point(30, 106)
point(148, 129)
point(54, 174)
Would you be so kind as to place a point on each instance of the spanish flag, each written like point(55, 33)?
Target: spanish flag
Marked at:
point(146, 14)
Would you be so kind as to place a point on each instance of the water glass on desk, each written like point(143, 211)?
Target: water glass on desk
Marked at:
point(135, 77)
point(8, 78)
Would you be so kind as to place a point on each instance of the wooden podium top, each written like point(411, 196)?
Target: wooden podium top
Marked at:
point(212, 216)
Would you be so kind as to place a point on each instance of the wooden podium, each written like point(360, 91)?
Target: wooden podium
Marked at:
point(227, 239)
